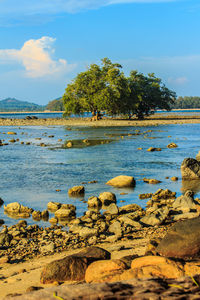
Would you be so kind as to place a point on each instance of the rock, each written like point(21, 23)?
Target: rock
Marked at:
point(129, 208)
point(107, 198)
point(172, 145)
point(163, 194)
point(155, 218)
point(115, 228)
point(96, 253)
point(86, 232)
point(104, 270)
point(5, 239)
point(128, 221)
point(72, 267)
point(16, 209)
point(186, 215)
point(36, 215)
point(64, 213)
point(174, 178)
point(53, 206)
point(184, 203)
point(190, 168)
point(94, 202)
point(152, 149)
point(182, 240)
point(45, 215)
point(156, 266)
point(69, 145)
point(122, 181)
point(1, 202)
point(151, 181)
point(11, 133)
point(145, 196)
point(53, 220)
point(76, 191)
point(112, 209)
point(50, 247)
point(192, 268)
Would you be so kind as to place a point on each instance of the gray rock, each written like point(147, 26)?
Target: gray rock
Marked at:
point(190, 168)
point(155, 218)
point(184, 203)
point(128, 221)
point(115, 228)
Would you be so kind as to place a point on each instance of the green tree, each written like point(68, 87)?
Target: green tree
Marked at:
point(148, 94)
point(55, 105)
point(100, 88)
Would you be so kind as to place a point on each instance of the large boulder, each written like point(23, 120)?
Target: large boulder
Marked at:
point(65, 213)
point(72, 268)
point(94, 202)
point(182, 241)
point(53, 206)
point(190, 168)
point(156, 266)
point(122, 181)
point(104, 270)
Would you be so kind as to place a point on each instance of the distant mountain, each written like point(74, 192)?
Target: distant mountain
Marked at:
point(12, 104)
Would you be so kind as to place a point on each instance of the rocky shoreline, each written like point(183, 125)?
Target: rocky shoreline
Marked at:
point(147, 251)
point(154, 120)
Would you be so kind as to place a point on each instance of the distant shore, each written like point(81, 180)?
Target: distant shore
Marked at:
point(155, 120)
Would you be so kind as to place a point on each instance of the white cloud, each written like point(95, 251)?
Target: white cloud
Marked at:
point(36, 58)
point(19, 7)
point(178, 80)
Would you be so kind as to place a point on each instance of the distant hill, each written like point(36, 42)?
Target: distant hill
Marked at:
point(12, 104)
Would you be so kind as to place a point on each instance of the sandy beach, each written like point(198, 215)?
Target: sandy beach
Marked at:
point(155, 120)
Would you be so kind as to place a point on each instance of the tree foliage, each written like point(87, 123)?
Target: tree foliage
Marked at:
point(106, 88)
point(56, 105)
point(186, 102)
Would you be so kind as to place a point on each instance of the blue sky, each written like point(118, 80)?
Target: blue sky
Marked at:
point(44, 44)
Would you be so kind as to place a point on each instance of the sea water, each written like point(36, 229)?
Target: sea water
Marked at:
point(31, 174)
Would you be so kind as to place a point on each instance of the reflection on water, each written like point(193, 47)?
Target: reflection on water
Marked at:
point(32, 175)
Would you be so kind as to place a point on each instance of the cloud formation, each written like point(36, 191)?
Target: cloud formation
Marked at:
point(36, 57)
point(19, 7)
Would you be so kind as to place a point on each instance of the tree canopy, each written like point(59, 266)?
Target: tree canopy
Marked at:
point(56, 105)
point(106, 88)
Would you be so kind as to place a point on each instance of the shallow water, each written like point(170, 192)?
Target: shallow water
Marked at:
point(31, 174)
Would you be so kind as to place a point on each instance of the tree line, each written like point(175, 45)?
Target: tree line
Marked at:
point(105, 88)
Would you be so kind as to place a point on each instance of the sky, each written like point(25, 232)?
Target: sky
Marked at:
point(44, 44)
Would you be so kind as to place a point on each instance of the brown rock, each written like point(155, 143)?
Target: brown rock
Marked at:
point(182, 240)
point(70, 268)
point(104, 270)
point(122, 181)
